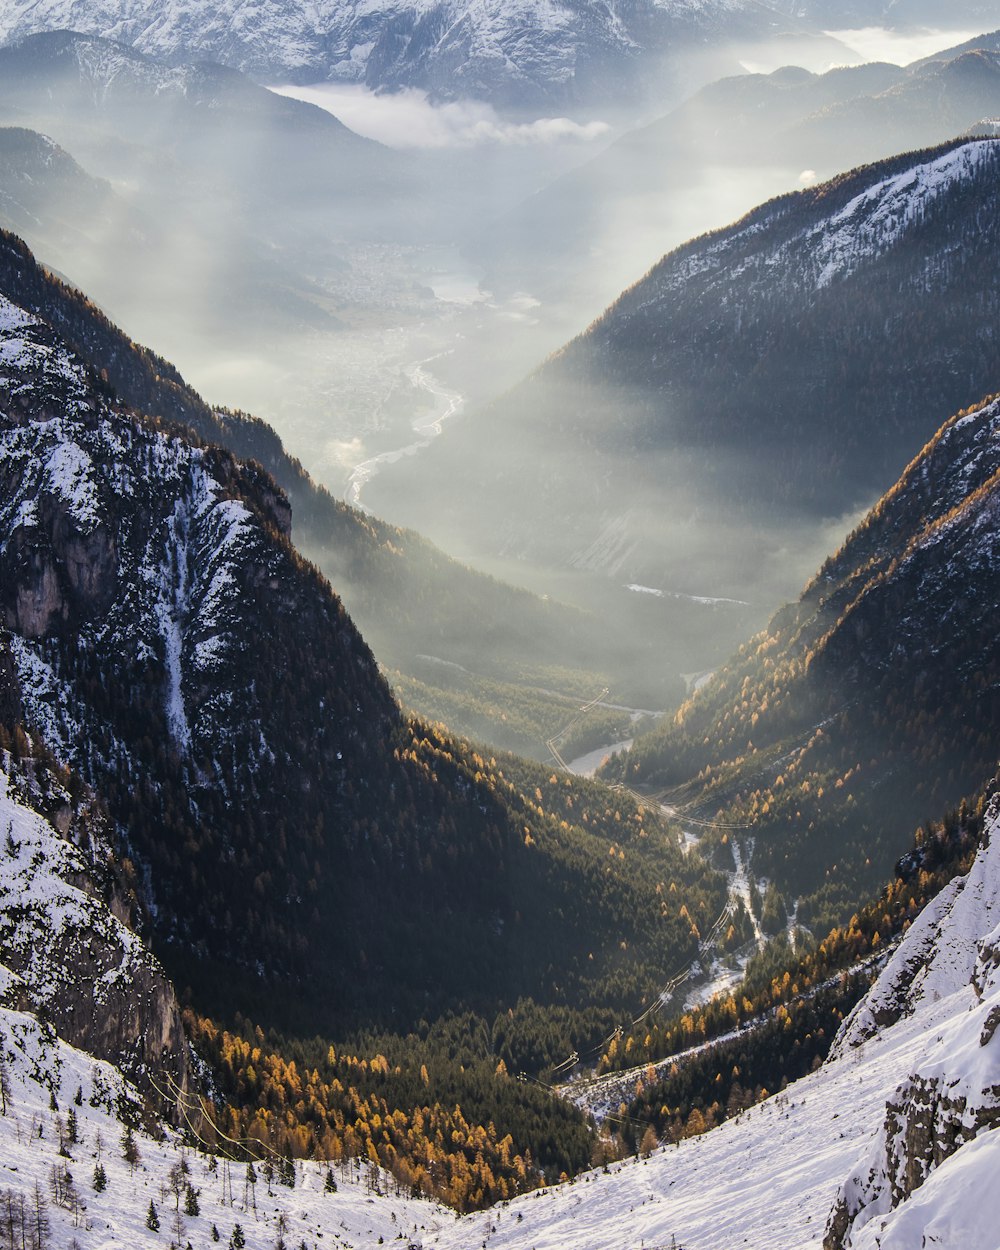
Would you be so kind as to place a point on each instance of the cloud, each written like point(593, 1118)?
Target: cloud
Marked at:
point(807, 177)
point(876, 43)
point(407, 119)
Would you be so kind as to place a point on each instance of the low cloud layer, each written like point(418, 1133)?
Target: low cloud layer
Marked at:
point(407, 119)
point(874, 43)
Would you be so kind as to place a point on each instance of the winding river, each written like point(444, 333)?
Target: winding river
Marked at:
point(445, 404)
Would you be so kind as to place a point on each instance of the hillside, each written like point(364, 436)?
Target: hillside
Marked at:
point(899, 1119)
point(407, 597)
point(40, 180)
point(171, 645)
point(869, 704)
point(713, 428)
point(912, 1159)
point(69, 952)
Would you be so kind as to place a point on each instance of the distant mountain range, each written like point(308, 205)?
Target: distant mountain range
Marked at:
point(541, 53)
point(732, 144)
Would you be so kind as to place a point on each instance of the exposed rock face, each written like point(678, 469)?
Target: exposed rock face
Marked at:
point(10, 696)
point(66, 942)
point(51, 570)
point(950, 955)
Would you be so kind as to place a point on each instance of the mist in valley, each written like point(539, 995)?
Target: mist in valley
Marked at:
point(374, 275)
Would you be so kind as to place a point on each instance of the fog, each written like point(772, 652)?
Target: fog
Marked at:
point(370, 290)
point(408, 119)
point(899, 47)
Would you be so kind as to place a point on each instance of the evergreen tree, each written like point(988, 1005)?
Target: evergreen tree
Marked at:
point(130, 1151)
point(4, 1087)
point(152, 1219)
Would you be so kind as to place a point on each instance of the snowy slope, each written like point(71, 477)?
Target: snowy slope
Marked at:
point(919, 1093)
point(836, 244)
point(40, 1068)
point(66, 951)
point(69, 966)
point(524, 52)
point(886, 1106)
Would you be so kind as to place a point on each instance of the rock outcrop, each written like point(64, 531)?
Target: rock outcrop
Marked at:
point(947, 972)
point(68, 947)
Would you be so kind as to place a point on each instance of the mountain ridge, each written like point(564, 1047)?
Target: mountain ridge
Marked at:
point(172, 645)
point(543, 52)
point(737, 382)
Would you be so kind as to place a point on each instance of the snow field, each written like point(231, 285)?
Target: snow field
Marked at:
point(350, 1219)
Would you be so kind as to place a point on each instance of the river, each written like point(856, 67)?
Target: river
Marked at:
point(445, 404)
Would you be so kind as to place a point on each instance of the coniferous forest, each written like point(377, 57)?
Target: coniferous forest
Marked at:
point(467, 878)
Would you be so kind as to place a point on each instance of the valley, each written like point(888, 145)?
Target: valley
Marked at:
point(498, 721)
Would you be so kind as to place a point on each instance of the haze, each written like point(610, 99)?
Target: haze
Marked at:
point(367, 291)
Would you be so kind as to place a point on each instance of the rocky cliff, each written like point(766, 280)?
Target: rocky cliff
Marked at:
point(946, 972)
point(68, 950)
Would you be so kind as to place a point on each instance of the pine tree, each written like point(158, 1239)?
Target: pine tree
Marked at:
point(191, 1205)
point(100, 1179)
point(238, 1240)
point(152, 1219)
point(130, 1151)
point(4, 1087)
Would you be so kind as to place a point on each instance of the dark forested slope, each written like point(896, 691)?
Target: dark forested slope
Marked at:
point(869, 705)
point(289, 826)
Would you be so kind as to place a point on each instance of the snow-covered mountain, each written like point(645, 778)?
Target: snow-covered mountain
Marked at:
point(891, 1141)
point(524, 54)
point(97, 1084)
point(173, 647)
